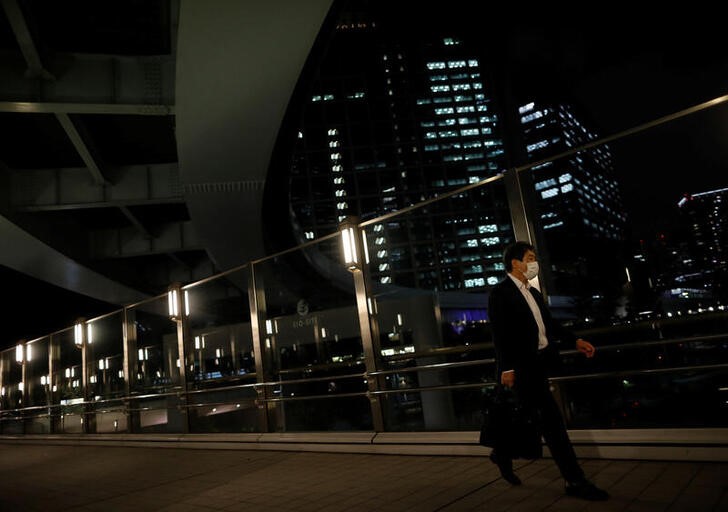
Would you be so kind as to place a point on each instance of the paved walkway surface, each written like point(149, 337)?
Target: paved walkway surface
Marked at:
point(51, 478)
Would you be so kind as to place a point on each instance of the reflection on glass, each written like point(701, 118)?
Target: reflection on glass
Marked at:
point(156, 354)
point(37, 377)
point(105, 356)
point(220, 340)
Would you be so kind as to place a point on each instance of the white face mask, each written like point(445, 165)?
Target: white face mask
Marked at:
point(531, 270)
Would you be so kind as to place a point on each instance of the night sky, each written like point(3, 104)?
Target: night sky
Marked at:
point(629, 70)
point(34, 308)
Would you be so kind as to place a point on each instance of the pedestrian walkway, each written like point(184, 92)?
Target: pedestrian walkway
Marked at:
point(48, 478)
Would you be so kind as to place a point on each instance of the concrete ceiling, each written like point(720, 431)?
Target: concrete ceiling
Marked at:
point(137, 136)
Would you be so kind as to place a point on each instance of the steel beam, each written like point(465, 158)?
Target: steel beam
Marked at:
point(82, 148)
point(25, 40)
point(45, 190)
point(35, 107)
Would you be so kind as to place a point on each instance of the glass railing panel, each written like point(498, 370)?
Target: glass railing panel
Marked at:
point(37, 375)
point(430, 270)
point(37, 386)
point(310, 314)
point(110, 416)
point(67, 378)
point(691, 398)
point(71, 418)
point(309, 324)
point(155, 360)
point(105, 356)
point(458, 409)
point(693, 351)
point(11, 392)
point(224, 410)
point(220, 342)
point(329, 414)
point(160, 413)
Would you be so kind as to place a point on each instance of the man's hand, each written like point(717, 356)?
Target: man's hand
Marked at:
point(585, 348)
point(508, 379)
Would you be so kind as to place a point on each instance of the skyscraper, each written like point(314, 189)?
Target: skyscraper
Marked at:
point(577, 200)
point(394, 119)
point(394, 122)
point(705, 264)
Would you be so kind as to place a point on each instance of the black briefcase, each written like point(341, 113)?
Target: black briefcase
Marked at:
point(509, 426)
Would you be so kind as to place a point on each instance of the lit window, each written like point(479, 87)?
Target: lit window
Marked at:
point(526, 108)
point(487, 228)
point(549, 193)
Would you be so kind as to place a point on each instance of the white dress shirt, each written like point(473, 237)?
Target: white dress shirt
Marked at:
point(543, 341)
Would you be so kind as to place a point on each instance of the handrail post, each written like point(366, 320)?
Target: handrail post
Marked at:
point(355, 258)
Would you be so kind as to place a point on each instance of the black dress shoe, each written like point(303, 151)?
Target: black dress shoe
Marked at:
point(587, 491)
point(506, 469)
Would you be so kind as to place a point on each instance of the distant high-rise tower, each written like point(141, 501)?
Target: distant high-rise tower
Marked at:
point(394, 122)
point(707, 213)
point(577, 198)
point(707, 243)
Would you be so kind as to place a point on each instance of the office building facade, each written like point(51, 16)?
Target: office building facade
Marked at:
point(392, 122)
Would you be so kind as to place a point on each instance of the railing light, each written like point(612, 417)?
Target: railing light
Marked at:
point(348, 228)
point(365, 246)
point(350, 258)
point(173, 303)
point(78, 334)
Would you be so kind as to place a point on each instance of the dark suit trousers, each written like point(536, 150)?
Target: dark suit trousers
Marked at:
point(553, 427)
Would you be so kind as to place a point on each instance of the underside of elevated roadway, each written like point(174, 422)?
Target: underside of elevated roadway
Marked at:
point(83, 208)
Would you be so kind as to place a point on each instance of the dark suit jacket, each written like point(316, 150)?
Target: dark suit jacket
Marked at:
point(515, 334)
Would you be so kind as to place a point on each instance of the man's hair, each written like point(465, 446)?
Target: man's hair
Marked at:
point(516, 251)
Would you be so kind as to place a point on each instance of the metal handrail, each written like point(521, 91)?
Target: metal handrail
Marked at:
point(429, 367)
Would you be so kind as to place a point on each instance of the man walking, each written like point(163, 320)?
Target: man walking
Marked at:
point(525, 337)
